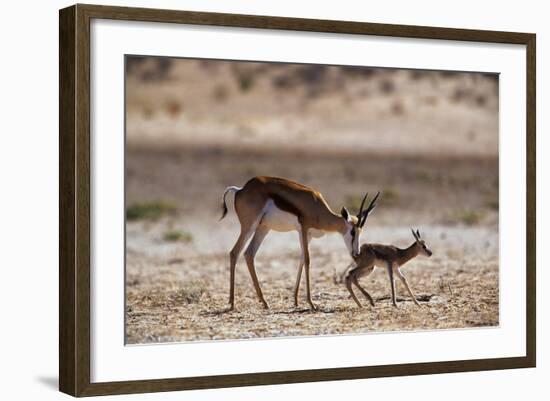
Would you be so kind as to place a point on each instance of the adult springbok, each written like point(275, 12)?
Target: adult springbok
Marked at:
point(278, 204)
point(388, 256)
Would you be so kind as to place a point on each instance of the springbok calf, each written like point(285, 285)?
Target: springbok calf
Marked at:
point(388, 256)
point(278, 204)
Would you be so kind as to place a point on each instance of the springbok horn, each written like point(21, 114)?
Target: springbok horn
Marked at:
point(372, 205)
point(362, 204)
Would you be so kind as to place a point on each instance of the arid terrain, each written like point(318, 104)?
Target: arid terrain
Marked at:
point(427, 140)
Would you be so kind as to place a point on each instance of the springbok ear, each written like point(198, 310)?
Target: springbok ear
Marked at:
point(345, 213)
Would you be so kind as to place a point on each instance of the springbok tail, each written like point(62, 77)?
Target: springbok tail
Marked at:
point(224, 205)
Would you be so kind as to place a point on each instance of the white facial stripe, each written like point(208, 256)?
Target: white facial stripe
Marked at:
point(352, 241)
point(348, 240)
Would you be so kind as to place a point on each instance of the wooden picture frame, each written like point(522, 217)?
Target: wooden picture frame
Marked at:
point(74, 203)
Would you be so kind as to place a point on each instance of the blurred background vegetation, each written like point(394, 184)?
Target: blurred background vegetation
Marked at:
point(427, 139)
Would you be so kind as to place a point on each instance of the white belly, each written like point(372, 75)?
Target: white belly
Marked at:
point(278, 220)
point(316, 233)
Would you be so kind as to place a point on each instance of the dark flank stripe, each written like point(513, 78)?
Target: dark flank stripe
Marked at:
point(285, 205)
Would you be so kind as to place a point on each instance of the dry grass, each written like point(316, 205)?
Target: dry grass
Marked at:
point(454, 293)
point(177, 235)
point(469, 217)
point(152, 210)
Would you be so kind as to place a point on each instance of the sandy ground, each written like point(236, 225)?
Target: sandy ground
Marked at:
point(430, 145)
point(185, 298)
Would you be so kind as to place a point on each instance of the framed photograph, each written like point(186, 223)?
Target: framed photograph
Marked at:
point(250, 200)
